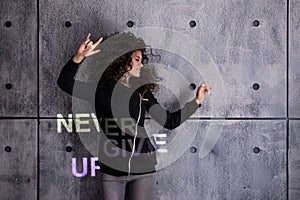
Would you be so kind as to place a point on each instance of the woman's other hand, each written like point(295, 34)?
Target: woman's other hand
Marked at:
point(202, 91)
point(86, 49)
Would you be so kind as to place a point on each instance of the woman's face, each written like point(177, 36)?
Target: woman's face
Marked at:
point(136, 63)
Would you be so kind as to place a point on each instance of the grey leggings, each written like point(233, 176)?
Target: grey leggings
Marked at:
point(133, 187)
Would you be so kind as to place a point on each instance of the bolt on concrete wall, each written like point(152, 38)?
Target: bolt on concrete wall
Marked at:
point(248, 42)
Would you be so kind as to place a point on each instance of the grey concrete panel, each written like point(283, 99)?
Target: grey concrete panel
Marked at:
point(18, 155)
point(18, 55)
point(294, 160)
point(294, 59)
point(231, 170)
point(56, 178)
point(58, 42)
point(244, 54)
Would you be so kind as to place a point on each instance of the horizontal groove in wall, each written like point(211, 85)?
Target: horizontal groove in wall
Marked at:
point(192, 118)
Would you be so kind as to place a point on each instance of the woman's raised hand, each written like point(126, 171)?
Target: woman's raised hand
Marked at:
point(86, 49)
point(202, 91)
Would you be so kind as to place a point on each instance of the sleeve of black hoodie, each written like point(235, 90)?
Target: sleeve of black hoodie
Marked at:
point(66, 82)
point(169, 120)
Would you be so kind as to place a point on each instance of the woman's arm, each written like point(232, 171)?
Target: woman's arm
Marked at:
point(172, 120)
point(66, 80)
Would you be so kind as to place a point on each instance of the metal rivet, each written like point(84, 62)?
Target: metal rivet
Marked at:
point(192, 86)
point(256, 150)
point(8, 86)
point(256, 23)
point(68, 24)
point(193, 149)
point(68, 149)
point(7, 149)
point(192, 23)
point(255, 86)
point(8, 24)
point(130, 23)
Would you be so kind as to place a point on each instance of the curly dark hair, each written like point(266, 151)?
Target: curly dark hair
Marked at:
point(126, 42)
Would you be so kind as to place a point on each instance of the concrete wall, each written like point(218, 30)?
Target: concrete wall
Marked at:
point(257, 154)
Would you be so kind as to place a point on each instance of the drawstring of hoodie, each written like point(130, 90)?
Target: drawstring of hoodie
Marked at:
point(135, 134)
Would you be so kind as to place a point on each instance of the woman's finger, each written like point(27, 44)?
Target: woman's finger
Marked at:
point(94, 52)
point(208, 89)
point(98, 42)
point(86, 41)
point(203, 84)
point(204, 89)
point(89, 45)
point(88, 36)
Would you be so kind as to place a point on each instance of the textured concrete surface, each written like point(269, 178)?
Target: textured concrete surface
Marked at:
point(18, 176)
point(231, 171)
point(294, 65)
point(56, 178)
point(18, 55)
point(294, 159)
point(243, 53)
point(39, 37)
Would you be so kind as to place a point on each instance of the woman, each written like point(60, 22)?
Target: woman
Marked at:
point(126, 152)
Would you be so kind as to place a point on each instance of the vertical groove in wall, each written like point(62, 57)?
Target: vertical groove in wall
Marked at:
point(287, 159)
point(287, 59)
point(287, 100)
point(38, 101)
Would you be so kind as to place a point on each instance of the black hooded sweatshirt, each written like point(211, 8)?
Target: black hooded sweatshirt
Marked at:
point(118, 120)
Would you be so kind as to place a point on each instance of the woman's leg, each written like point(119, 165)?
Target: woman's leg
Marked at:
point(141, 187)
point(112, 187)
